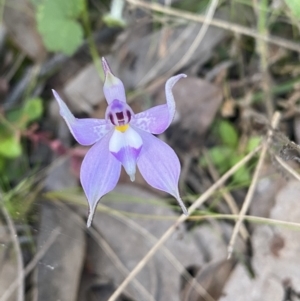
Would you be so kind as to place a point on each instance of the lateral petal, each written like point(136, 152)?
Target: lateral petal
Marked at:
point(169, 95)
point(99, 173)
point(113, 87)
point(86, 131)
point(154, 120)
point(160, 166)
point(126, 147)
point(157, 119)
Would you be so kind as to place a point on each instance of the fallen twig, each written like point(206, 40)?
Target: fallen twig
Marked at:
point(249, 196)
point(217, 23)
point(180, 220)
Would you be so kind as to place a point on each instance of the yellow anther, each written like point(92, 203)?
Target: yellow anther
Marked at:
point(122, 128)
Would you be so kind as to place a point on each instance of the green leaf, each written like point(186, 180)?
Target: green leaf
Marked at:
point(10, 146)
point(242, 175)
point(228, 134)
point(57, 25)
point(33, 109)
point(253, 142)
point(60, 9)
point(14, 116)
point(64, 36)
point(220, 157)
point(294, 6)
point(21, 117)
point(71, 8)
point(49, 10)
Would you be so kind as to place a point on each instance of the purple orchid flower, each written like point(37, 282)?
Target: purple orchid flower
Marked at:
point(125, 138)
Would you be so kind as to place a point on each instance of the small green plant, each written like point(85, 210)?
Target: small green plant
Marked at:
point(226, 155)
point(294, 6)
point(13, 124)
point(58, 25)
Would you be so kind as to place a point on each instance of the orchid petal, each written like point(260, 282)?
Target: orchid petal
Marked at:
point(86, 131)
point(113, 87)
point(157, 119)
point(160, 166)
point(126, 147)
point(154, 120)
point(169, 95)
point(99, 173)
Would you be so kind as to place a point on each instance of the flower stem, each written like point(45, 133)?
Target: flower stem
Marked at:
point(91, 42)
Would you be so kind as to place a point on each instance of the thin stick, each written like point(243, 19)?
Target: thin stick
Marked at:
point(168, 254)
point(208, 17)
point(114, 257)
point(38, 256)
point(20, 263)
point(217, 23)
point(226, 195)
point(250, 218)
point(103, 244)
point(252, 187)
point(288, 168)
point(180, 220)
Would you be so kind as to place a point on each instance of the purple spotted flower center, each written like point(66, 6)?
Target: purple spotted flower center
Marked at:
point(119, 113)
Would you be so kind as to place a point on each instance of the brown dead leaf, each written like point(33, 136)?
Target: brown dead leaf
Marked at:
point(266, 191)
point(140, 52)
point(161, 277)
point(212, 277)
point(197, 103)
point(276, 258)
point(84, 90)
point(20, 23)
point(280, 259)
point(59, 271)
point(241, 287)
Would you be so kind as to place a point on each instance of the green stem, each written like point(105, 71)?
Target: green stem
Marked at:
point(91, 42)
point(263, 51)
